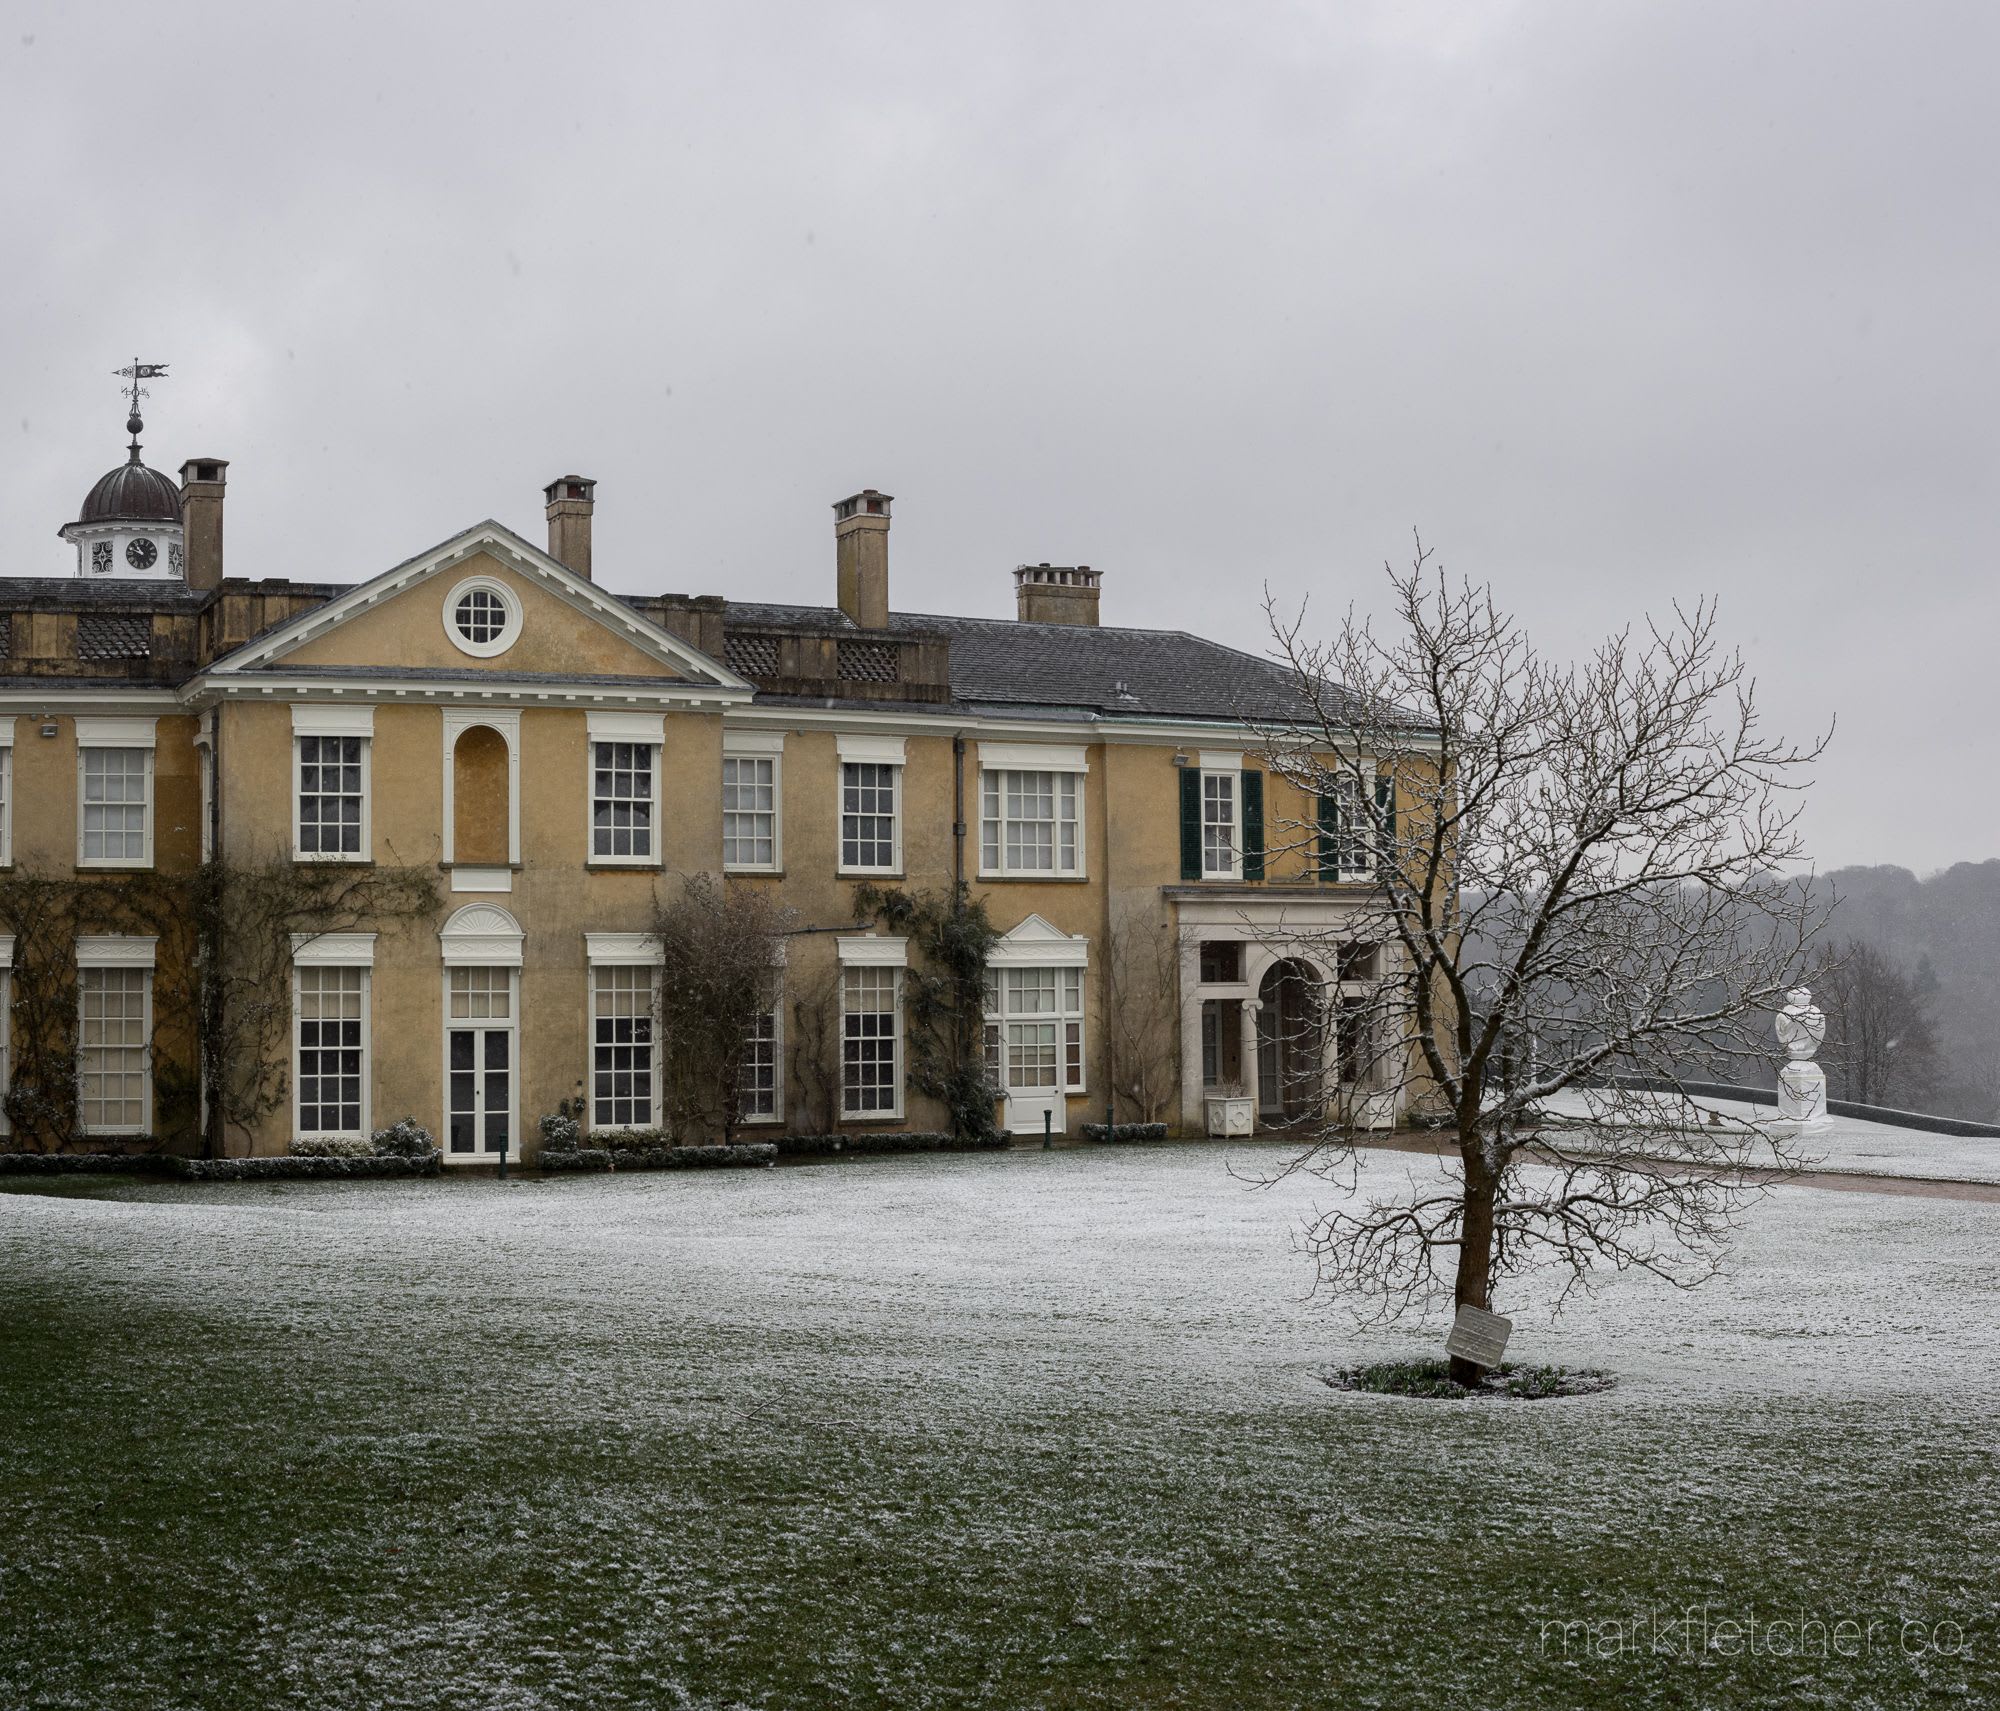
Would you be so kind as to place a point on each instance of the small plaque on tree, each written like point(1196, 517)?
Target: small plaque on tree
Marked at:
point(1478, 1336)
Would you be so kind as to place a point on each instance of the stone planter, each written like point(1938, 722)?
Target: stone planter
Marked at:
point(1375, 1111)
point(1231, 1114)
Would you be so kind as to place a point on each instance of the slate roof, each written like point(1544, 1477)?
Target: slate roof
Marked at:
point(70, 592)
point(1139, 674)
point(996, 663)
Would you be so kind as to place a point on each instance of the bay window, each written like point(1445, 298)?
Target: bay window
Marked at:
point(1034, 1029)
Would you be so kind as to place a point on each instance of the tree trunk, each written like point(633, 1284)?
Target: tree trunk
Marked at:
point(1475, 1248)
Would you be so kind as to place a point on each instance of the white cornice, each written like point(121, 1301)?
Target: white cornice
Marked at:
point(276, 685)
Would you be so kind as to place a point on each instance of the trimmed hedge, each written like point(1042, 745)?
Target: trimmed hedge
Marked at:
point(294, 1168)
point(1121, 1132)
point(79, 1164)
point(579, 1159)
point(905, 1141)
point(333, 1146)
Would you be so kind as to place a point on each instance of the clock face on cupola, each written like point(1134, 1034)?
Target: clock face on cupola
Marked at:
point(130, 524)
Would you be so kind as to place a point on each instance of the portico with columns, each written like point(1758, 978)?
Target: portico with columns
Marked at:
point(1265, 982)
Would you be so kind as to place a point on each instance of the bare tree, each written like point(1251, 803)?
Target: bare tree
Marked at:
point(1142, 1011)
point(1881, 1047)
point(1569, 869)
point(719, 958)
point(814, 1037)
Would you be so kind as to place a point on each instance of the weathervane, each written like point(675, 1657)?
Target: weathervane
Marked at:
point(137, 372)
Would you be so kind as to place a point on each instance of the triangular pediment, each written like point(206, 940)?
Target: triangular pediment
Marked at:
point(1035, 931)
point(547, 622)
point(1035, 943)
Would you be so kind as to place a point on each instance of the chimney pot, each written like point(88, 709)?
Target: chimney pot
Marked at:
point(1056, 593)
point(571, 500)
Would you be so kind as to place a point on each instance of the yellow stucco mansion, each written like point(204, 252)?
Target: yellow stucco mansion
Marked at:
point(556, 753)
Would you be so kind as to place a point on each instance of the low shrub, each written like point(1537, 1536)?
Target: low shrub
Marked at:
point(78, 1164)
point(898, 1141)
point(575, 1159)
point(1122, 1132)
point(561, 1133)
point(333, 1146)
point(404, 1138)
point(291, 1167)
point(739, 1154)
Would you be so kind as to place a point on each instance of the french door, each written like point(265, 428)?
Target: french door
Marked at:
point(481, 1063)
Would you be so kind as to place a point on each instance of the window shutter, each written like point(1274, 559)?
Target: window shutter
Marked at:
point(1253, 825)
point(1385, 817)
point(1329, 838)
point(1190, 822)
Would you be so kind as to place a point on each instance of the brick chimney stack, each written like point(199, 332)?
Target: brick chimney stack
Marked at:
point(202, 480)
point(1056, 593)
point(861, 547)
point(570, 503)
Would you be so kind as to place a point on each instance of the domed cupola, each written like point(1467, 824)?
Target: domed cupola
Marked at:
point(130, 524)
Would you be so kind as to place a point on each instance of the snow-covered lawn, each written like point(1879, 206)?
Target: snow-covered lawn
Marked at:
point(1015, 1429)
point(1851, 1145)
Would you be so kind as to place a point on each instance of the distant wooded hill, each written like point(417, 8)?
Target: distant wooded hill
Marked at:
point(1944, 934)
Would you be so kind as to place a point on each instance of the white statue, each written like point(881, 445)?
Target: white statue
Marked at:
point(1801, 1082)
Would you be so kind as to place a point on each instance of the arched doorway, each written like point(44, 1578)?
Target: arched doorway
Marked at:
point(1291, 1044)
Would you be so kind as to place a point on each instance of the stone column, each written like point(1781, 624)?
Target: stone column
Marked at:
point(1252, 1009)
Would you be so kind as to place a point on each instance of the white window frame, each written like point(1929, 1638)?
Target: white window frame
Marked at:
point(868, 951)
point(1229, 766)
point(855, 749)
point(1000, 1020)
point(776, 1114)
point(510, 629)
point(6, 1026)
point(1061, 761)
point(623, 950)
point(319, 721)
point(7, 814)
point(115, 733)
point(1354, 830)
point(757, 746)
point(643, 730)
point(126, 952)
point(338, 951)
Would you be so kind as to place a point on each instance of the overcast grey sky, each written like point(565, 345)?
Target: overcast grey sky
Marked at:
point(1618, 303)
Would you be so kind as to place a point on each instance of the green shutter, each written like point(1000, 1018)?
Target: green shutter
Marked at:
point(1329, 838)
point(1253, 825)
point(1190, 822)
point(1385, 817)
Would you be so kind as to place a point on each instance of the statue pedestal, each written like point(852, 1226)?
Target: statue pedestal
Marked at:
point(1802, 1095)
